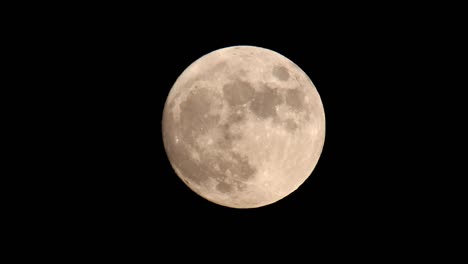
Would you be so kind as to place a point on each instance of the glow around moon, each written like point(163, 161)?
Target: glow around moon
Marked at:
point(243, 126)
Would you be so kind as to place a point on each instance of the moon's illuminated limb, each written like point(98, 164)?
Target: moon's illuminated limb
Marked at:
point(243, 126)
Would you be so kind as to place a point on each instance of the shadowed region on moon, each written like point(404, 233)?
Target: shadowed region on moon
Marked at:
point(281, 73)
point(238, 92)
point(290, 124)
point(265, 102)
point(295, 99)
point(231, 135)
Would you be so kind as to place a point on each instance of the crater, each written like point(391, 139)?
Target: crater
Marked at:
point(265, 102)
point(281, 73)
point(238, 92)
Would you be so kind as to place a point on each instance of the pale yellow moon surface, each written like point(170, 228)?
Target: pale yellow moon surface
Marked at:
point(243, 126)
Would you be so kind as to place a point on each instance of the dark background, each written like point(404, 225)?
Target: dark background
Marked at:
point(109, 71)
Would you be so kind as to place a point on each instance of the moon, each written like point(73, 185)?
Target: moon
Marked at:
point(243, 126)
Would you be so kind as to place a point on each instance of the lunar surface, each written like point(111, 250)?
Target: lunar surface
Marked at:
point(243, 126)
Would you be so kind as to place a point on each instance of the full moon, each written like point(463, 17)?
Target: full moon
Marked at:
point(243, 126)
